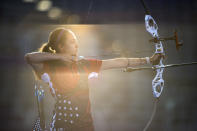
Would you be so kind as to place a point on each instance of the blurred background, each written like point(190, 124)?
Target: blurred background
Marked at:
point(105, 29)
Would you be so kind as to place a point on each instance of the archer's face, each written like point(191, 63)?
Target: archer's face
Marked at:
point(70, 45)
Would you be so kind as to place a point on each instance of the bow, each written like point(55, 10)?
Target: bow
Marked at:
point(158, 81)
point(152, 28)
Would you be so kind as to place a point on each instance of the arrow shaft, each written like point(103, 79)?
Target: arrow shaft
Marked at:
point(130, 69)
point(177, 65)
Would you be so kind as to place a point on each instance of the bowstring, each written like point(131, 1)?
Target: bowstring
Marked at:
point(92, 95)
point(152, 115)
point(89, 10)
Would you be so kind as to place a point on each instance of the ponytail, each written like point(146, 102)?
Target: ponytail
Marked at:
point(46, 48)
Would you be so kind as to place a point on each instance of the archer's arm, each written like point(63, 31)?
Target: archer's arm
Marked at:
point(122, 62)
point(128, 62)
point(39, 57)
point(36, 59)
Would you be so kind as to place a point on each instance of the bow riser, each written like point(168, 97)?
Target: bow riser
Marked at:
point(157, 82)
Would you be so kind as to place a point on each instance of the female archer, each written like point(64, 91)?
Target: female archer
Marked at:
point(69, 76)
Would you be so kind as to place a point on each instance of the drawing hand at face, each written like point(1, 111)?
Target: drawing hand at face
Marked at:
point(68, 58)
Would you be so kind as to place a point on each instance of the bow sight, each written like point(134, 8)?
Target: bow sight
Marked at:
point(175, 38)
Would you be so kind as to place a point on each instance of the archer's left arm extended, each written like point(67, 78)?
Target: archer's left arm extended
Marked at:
point(128, 62)
point(122, 63)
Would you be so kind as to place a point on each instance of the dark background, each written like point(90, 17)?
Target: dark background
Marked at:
point(126, 102)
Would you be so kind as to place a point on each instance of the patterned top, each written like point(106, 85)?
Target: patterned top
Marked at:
point(70, 81)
